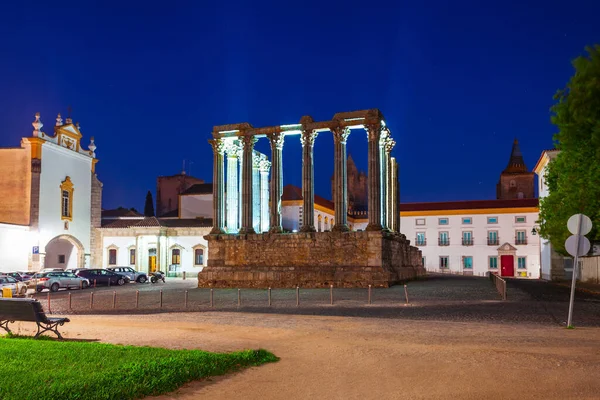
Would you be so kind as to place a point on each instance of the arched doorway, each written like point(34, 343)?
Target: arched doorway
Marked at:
point(64, 251)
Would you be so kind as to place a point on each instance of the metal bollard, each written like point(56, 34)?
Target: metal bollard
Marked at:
point(369, 294)
point(269, 297)
point(94, 284)
point(186, 299)
point(297, 295)
point(49, 309)
point(184, 275)
point(91, 300)
point(331, 294)
point(70, 301)
point(160, 298)
point(114, 299)
point(211, 298)
point(406, 293)
point(108, 282)
point(137, 298)
point(80, 285)
point(239, 298)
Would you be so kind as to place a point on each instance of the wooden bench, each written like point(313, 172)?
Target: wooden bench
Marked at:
point(12, 310)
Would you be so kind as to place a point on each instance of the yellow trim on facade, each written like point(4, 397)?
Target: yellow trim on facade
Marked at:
point(94, 162)
point(36, 147)
point(514, 210)
point(67, 186)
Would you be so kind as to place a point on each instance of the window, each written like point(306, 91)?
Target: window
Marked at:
point(492, 238)
point(319, 222)
point(492, 220)
point(520, 220)
point(420, 221)
point(493, 262)
point(443, 221)
point(423, 261)
point(199, 257)
point(522, 262)
point(521, 237)
point(112, 256)
point(66, 199)
point(443, 262)
point(443, 239)
point(131, 256)
point(61, 258)
point(326, 223)
point(467, 220)
point(513, 183)
point(468, 262)
point(421, 241)
point(520, 195)
point(467, 238)
point(176, 256)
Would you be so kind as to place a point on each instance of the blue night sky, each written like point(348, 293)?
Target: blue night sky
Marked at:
point(457, 81)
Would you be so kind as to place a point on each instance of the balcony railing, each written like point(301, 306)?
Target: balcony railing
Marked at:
point(493, 242)
point(520, 240)
point(467, 241)
point(420, 242)
point(444, 242)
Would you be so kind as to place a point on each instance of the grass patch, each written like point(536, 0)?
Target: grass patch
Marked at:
point(49, 369)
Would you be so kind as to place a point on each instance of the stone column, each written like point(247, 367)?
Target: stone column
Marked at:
point(384, 181)
point(307, 138)
point(276, 140)
point(340, 179)
point(389, 198)
point(264, 167)
point(240, 162)
point(374, 187)
point(396, 195)
point(247, 196)
point(232, 188)
point(256, 191)
point(218, 187)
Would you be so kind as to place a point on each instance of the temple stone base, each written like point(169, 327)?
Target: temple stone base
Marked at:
point(310, 260)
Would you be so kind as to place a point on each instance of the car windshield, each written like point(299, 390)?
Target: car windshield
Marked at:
point(70, 275)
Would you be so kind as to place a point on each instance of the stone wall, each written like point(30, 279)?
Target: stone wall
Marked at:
point(318, 259)
point(95, 223)
point(15, 186)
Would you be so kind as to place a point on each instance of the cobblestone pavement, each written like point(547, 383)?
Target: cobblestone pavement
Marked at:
point(438, 297)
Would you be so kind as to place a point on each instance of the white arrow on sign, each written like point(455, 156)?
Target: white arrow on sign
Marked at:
point(571, 245)
point(586, 224)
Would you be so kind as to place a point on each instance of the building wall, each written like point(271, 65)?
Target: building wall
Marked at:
point(16, 242)
point(15, 186)
point(168, 189)
point(480, 251)
point(511, 185)
point(57, 164)
point(196, 205)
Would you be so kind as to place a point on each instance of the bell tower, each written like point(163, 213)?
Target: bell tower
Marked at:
point(516, 181)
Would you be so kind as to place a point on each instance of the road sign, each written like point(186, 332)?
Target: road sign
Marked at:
point(36, 250)
point(571, 245)
point(586, 224)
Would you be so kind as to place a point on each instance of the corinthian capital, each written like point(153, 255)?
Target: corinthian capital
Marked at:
point(217, 145)
point(276, 140)
point(233, 147)
point(248, 142)
point(373, 132)
point(389, 144)
point(340, 134)
point(308, 137)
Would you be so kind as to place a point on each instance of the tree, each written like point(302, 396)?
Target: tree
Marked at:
point(149, 206)
point(573, 177)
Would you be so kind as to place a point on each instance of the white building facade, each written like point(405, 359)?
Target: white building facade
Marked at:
point(475, 237)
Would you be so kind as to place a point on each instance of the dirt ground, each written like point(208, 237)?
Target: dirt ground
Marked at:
point(368, 358)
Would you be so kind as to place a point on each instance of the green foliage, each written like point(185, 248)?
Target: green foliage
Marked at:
point(573, 177)
point(49, 369)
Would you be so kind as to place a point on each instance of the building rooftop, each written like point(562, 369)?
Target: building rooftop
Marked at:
point(469, 205)
point(120, 213)
point(200, 188)
point(151, 222)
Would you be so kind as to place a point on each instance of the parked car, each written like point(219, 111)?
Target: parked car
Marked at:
point(56, 280)
point(134, 275)
point(51, 269)
point(104, 276)
point(15, 275)
point(26, 275)
point(18, 288)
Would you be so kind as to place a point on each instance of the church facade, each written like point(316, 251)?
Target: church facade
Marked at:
point(50, 200)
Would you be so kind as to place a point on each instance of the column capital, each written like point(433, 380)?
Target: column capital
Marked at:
point(308, 137)
point(389, 144)
point(340, 134)
point(233, 148)
point(248, 141)
point(373, 132)
point(276, 140)
point(264, 165)
point(218, 146)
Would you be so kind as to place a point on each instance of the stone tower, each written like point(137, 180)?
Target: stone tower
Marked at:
point(357, 187)
point(516, 181)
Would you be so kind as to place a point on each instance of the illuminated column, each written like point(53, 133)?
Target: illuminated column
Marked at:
point(340, 179)
point(394, 198)
point(218, 187)
point(307, 138)
point(276, 140)
point(256, 191)
point(264, 167)
point(248, 146)
point(374, 187)
point(384, 179)
point(397, 194)
point(240, 162)
point(232, 188)
point(389, 183)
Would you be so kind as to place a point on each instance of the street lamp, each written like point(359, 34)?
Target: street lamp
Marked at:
point(535, 230)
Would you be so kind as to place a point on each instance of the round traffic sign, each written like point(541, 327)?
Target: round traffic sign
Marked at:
point(571, 245)
point(586, 224)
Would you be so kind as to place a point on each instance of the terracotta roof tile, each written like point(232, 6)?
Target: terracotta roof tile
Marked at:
point(120, 212)
point(151, 222)
point(200, 188)
point(469, 205)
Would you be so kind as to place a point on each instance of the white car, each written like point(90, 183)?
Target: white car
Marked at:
point(18, 288)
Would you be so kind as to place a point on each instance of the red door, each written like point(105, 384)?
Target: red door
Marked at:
point(507, 265)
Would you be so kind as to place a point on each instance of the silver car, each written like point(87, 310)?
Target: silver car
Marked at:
point(17, 288)
point(131, 273)
point(56, 280)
